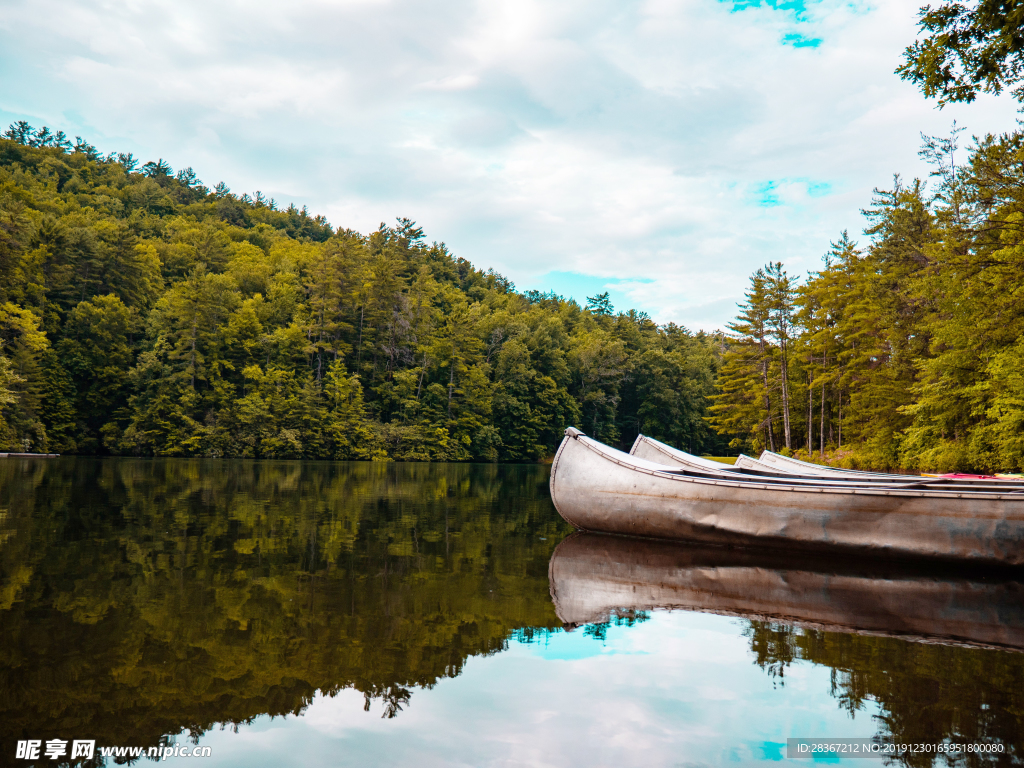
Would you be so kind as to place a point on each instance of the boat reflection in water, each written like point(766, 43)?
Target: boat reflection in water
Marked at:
point(596, 577)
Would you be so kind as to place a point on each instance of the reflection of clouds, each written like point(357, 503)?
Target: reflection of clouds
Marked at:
point(678, 689)
point(620, 140)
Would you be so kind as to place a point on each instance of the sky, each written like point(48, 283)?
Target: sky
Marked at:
point(661, 150)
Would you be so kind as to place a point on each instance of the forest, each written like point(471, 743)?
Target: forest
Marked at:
point(906, 350)
point(145, 314)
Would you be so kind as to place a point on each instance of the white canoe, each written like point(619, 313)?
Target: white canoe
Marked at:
point(594, 578)
point(648, 448)
point(645, 447)
point(788, 464)
point(780, 463)
point(597, 488)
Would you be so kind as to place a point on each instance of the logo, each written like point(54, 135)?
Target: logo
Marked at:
point(54, 749)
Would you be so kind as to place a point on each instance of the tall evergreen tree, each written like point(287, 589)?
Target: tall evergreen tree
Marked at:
point(745, 404)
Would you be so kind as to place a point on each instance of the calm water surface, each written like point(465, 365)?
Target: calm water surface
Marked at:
point(296, 614)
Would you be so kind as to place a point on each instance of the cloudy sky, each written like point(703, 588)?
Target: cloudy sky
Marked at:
point(661, 150)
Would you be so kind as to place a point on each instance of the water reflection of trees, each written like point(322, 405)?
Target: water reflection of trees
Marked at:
point(138, 598)
point(926, 693)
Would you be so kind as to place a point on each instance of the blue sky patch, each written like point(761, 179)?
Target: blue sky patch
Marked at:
point(766, 194)
point(799, 41)
point(767, 198)
point(579, 286)
point(566, 646)
point(826, 757)
point(771, 750)
point(797, 7)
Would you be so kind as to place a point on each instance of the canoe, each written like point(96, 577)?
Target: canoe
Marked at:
point(598, 488)
point(594, 578)
point(789, 464)
point(648, 448)
point(795, 466)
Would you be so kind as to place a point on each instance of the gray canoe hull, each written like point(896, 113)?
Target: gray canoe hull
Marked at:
point(597, 488)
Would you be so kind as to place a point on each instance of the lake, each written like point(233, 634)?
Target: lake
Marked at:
point(306, 614)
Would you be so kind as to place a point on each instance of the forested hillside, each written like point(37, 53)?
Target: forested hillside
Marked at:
point(906, 350)
point(142, 313)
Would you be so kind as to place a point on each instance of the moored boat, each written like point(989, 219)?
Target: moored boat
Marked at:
point(780, 463)
point(797, 466)
point(594, 577)
point(645, 447)
point(598, 488)
point(648, 448)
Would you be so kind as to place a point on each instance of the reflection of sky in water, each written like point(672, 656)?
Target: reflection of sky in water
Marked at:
point(678, 689)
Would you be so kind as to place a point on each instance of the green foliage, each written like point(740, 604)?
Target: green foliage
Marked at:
point(968, 49)
point(144, 314)
point(908, 352)
point(748, 403)
point(8, 397)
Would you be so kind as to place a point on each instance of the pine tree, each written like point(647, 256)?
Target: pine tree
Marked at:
point(779, 324)
point(744, 406)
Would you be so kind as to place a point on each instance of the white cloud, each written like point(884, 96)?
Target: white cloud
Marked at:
point(675, 143)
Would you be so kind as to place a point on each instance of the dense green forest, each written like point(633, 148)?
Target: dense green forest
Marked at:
point(906, 350)
point(142, 313)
